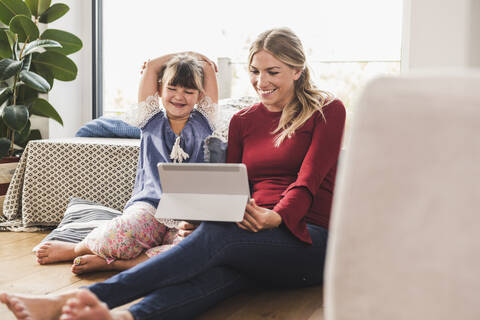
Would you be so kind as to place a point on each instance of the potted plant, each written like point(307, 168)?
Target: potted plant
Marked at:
point(30, 61)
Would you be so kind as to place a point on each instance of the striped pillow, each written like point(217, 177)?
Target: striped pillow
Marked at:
point(81, 217)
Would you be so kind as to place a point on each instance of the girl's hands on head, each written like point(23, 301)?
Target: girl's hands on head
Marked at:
point(211, 63)
point(185, 228)
point(210, 85)
point(144, 66)
point(257, 218)
point(203, 58)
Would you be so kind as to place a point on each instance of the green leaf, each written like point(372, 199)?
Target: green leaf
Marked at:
point(34, 46)
point(21, 136)
point(15, 50)
point(22, 141)
point(27, 60)
point(3, 129)
point(34, 81)
point(70, 42)
point(24, 136)
point(15, 116)
point(5, 47)
point(37, 7)
point(42, 70)
point(11, 8)
point(26, 95)
point(62, 67)
point(53, 13)
point(4, 147)
point(9, 68)
point(5, 93)
point(43, 108)
point(11, 36)
point(24, 27)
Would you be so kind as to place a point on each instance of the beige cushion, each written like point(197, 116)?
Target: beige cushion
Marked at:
point(404, 241)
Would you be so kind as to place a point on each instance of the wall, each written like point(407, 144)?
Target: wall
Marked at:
point(441, 33)
point(73, 100)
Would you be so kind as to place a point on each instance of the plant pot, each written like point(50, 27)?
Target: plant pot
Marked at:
point(7, 169)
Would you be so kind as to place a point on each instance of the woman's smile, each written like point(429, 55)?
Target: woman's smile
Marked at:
point(266, 93)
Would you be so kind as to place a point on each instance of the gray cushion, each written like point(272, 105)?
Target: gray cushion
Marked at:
point(81, 217)
point(215, 150)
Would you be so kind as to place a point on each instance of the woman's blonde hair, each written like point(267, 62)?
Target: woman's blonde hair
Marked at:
point(285, 46)
point(183, 70)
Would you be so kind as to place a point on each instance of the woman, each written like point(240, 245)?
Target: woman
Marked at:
point(290, 144)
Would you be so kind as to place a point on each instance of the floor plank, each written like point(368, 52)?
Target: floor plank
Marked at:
point(13, 269)
point(45, 279)
point(7, 237)
point(13, 249)
point(274, 304)
point(317, 315)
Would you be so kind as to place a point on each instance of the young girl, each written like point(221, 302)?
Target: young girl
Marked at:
point(173, 131)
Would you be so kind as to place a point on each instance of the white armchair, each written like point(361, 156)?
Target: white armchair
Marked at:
point(404, 235)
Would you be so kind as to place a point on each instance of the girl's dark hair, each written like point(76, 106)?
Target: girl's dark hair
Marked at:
point(183, 70)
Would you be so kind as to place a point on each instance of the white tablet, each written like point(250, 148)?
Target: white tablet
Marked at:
point(203, 191)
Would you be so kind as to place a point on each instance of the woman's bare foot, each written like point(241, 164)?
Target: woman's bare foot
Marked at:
point(86, 306)
point(55, 251)
point(32, 307)
point(90, 263)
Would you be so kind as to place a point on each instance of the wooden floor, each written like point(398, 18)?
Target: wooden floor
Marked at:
point(19, 273)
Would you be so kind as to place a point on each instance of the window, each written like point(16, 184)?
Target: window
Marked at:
point(347, 41)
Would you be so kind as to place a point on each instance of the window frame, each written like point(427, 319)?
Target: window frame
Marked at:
point(97, 58)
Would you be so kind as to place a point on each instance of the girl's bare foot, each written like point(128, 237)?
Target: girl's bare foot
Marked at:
point(86, 306)
point(90, 263)
point(55, 251)
point(32, 307)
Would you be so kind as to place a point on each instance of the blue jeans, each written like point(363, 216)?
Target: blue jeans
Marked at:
point(216, 261)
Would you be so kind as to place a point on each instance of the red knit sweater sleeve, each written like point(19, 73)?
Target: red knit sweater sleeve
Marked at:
point(321, 156)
